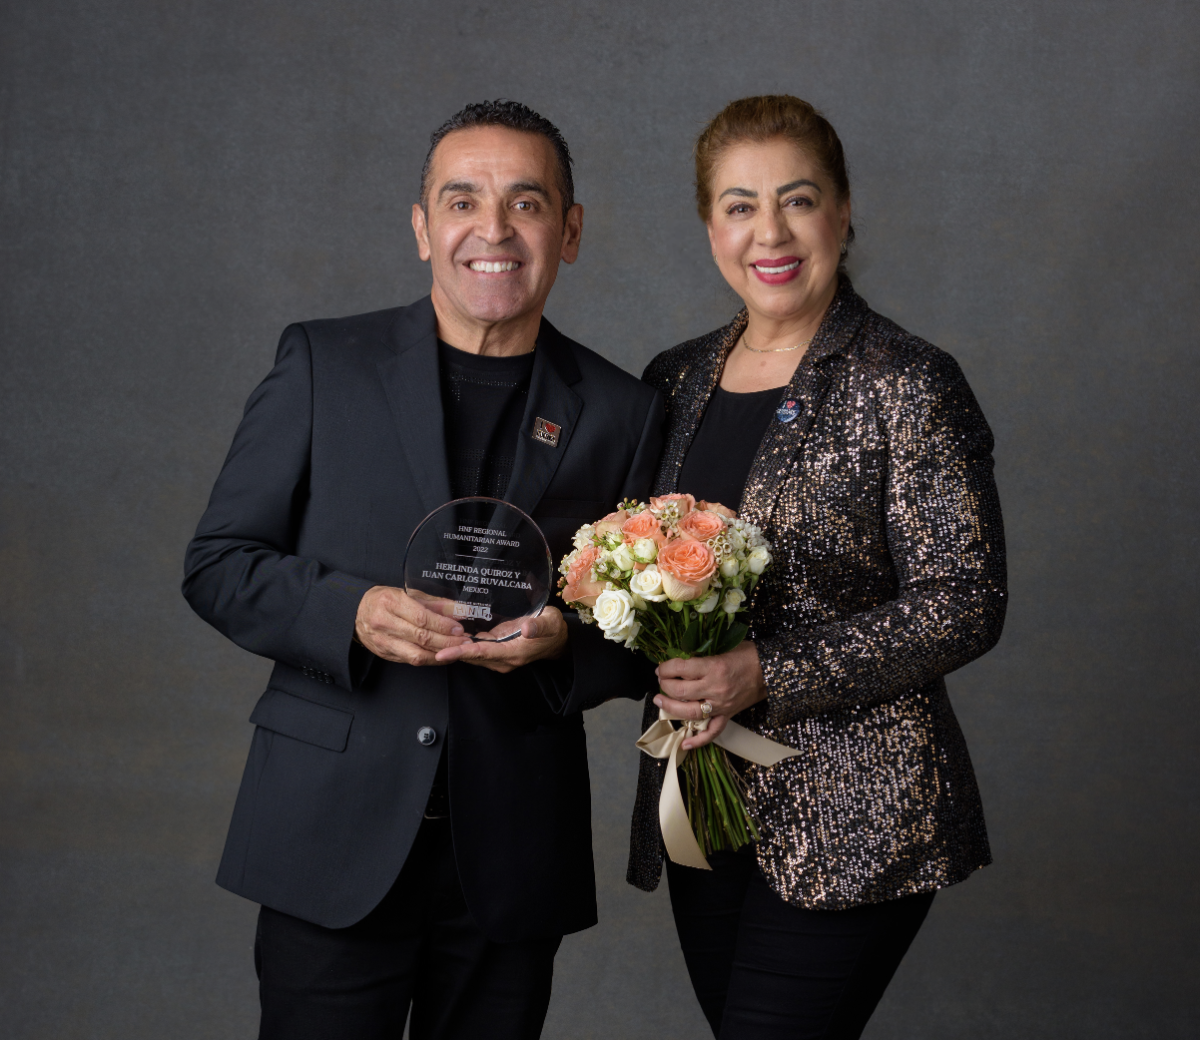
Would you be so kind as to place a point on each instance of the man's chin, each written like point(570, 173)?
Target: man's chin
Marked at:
point(497, 306)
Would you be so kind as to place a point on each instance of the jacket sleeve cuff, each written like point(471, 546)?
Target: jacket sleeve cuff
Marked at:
point(323, 633)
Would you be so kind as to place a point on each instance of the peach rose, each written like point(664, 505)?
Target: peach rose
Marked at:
point(644, 525)
point(611, 523)
point(686, 503)
point(687, 567)
point(581, 588)
point(701, 525)
point(716, 507)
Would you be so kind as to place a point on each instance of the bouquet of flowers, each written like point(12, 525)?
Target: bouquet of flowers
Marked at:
point(668, 577)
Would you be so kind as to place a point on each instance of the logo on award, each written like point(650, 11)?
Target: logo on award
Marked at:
point(473, 610)
point(546, 431)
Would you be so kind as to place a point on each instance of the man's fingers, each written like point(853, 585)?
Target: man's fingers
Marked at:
point(420, 616)
point(403, 653)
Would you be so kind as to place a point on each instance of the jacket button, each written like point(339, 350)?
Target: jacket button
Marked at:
point(426, 735)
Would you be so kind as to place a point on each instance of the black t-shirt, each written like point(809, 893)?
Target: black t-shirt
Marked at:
point(718, 462)
point(483, 400)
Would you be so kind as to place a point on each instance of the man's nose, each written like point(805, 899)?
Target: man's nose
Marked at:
point(494, 225)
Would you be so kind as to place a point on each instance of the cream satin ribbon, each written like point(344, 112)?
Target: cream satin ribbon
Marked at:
point(662, 740)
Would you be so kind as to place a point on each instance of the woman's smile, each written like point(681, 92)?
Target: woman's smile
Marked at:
point(776, 270)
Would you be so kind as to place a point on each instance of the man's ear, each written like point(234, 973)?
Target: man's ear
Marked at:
point(572, 233)
point(421, 230)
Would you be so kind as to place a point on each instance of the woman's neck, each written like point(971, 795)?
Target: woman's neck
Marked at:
point(771, 348)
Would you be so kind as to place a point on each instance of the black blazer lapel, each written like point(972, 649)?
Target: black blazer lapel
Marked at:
point(779, 452)
point(410, 379)
point(699, 385)
point(552, 399)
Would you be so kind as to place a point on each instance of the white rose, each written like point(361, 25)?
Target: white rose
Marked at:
point(708, 604)
point(648, 585)
point(733, 601)
point(613, 610)
point(625, 634)
point(622, 557)
point(645, 550)
point(759, 559)
point(729, 567)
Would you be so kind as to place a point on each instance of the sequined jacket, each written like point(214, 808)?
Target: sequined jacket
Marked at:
point(889, 573)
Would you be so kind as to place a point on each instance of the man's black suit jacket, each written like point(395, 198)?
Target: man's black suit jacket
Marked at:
point(339, 456)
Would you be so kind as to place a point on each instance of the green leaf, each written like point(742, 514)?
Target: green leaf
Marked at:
point(691, 637)
point(732, 638)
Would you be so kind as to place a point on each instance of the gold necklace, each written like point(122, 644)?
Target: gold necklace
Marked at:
point(774, 350)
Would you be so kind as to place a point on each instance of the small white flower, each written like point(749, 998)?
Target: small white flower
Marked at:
point(758, 560)
point(645, 550)
point(734, 598)
point(583, 537)
point(613, 610)
point(623, 557)
point(709, 603)
point(648, 585)
point(585, 615)
point(736, 540)
point(729, 567)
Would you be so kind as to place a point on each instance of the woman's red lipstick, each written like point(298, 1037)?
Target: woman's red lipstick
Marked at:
point(777, 269)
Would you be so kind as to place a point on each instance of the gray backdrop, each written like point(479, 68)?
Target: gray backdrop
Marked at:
point(180, 180)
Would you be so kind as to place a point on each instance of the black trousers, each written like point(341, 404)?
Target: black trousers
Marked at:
point(421, 948)
point(763, 969)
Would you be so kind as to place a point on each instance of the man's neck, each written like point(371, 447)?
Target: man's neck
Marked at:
point(505, 338)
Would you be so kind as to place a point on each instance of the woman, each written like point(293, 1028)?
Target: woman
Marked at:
point(861, 452)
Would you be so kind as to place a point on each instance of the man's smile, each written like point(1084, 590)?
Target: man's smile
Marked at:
point(493, 266)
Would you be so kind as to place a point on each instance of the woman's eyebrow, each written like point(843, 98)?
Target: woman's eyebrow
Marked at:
point(796, 184)
point(745, 193)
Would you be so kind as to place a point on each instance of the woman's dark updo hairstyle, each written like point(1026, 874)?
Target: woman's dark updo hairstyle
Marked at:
point(765, 118)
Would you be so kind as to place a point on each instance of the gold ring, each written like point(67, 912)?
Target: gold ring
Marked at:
point(705, 709)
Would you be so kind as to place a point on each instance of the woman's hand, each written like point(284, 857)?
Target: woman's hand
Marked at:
point(730, 682)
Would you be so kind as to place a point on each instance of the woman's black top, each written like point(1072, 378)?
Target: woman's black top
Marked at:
point(719, 459)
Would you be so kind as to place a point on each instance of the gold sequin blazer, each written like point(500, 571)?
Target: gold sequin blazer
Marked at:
point(889, 572)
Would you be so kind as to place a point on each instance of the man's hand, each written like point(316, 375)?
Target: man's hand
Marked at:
point(542, 636)
point(394, 626)
point(730, 682)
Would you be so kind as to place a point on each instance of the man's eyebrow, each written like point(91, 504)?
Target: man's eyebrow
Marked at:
point(532, 187)
point(796, 184)
point(744, 193)
point(452, 186)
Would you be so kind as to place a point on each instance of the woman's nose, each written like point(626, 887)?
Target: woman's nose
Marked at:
point(771, 227)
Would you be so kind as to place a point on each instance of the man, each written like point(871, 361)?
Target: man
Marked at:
point(414, 816)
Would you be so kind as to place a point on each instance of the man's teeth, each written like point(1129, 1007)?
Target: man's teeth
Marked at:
point(778, 270)
point(487, 267)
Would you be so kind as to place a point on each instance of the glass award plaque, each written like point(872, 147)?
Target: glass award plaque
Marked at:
point(484, 563)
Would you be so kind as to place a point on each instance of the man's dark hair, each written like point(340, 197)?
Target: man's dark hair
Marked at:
point(515, 116)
